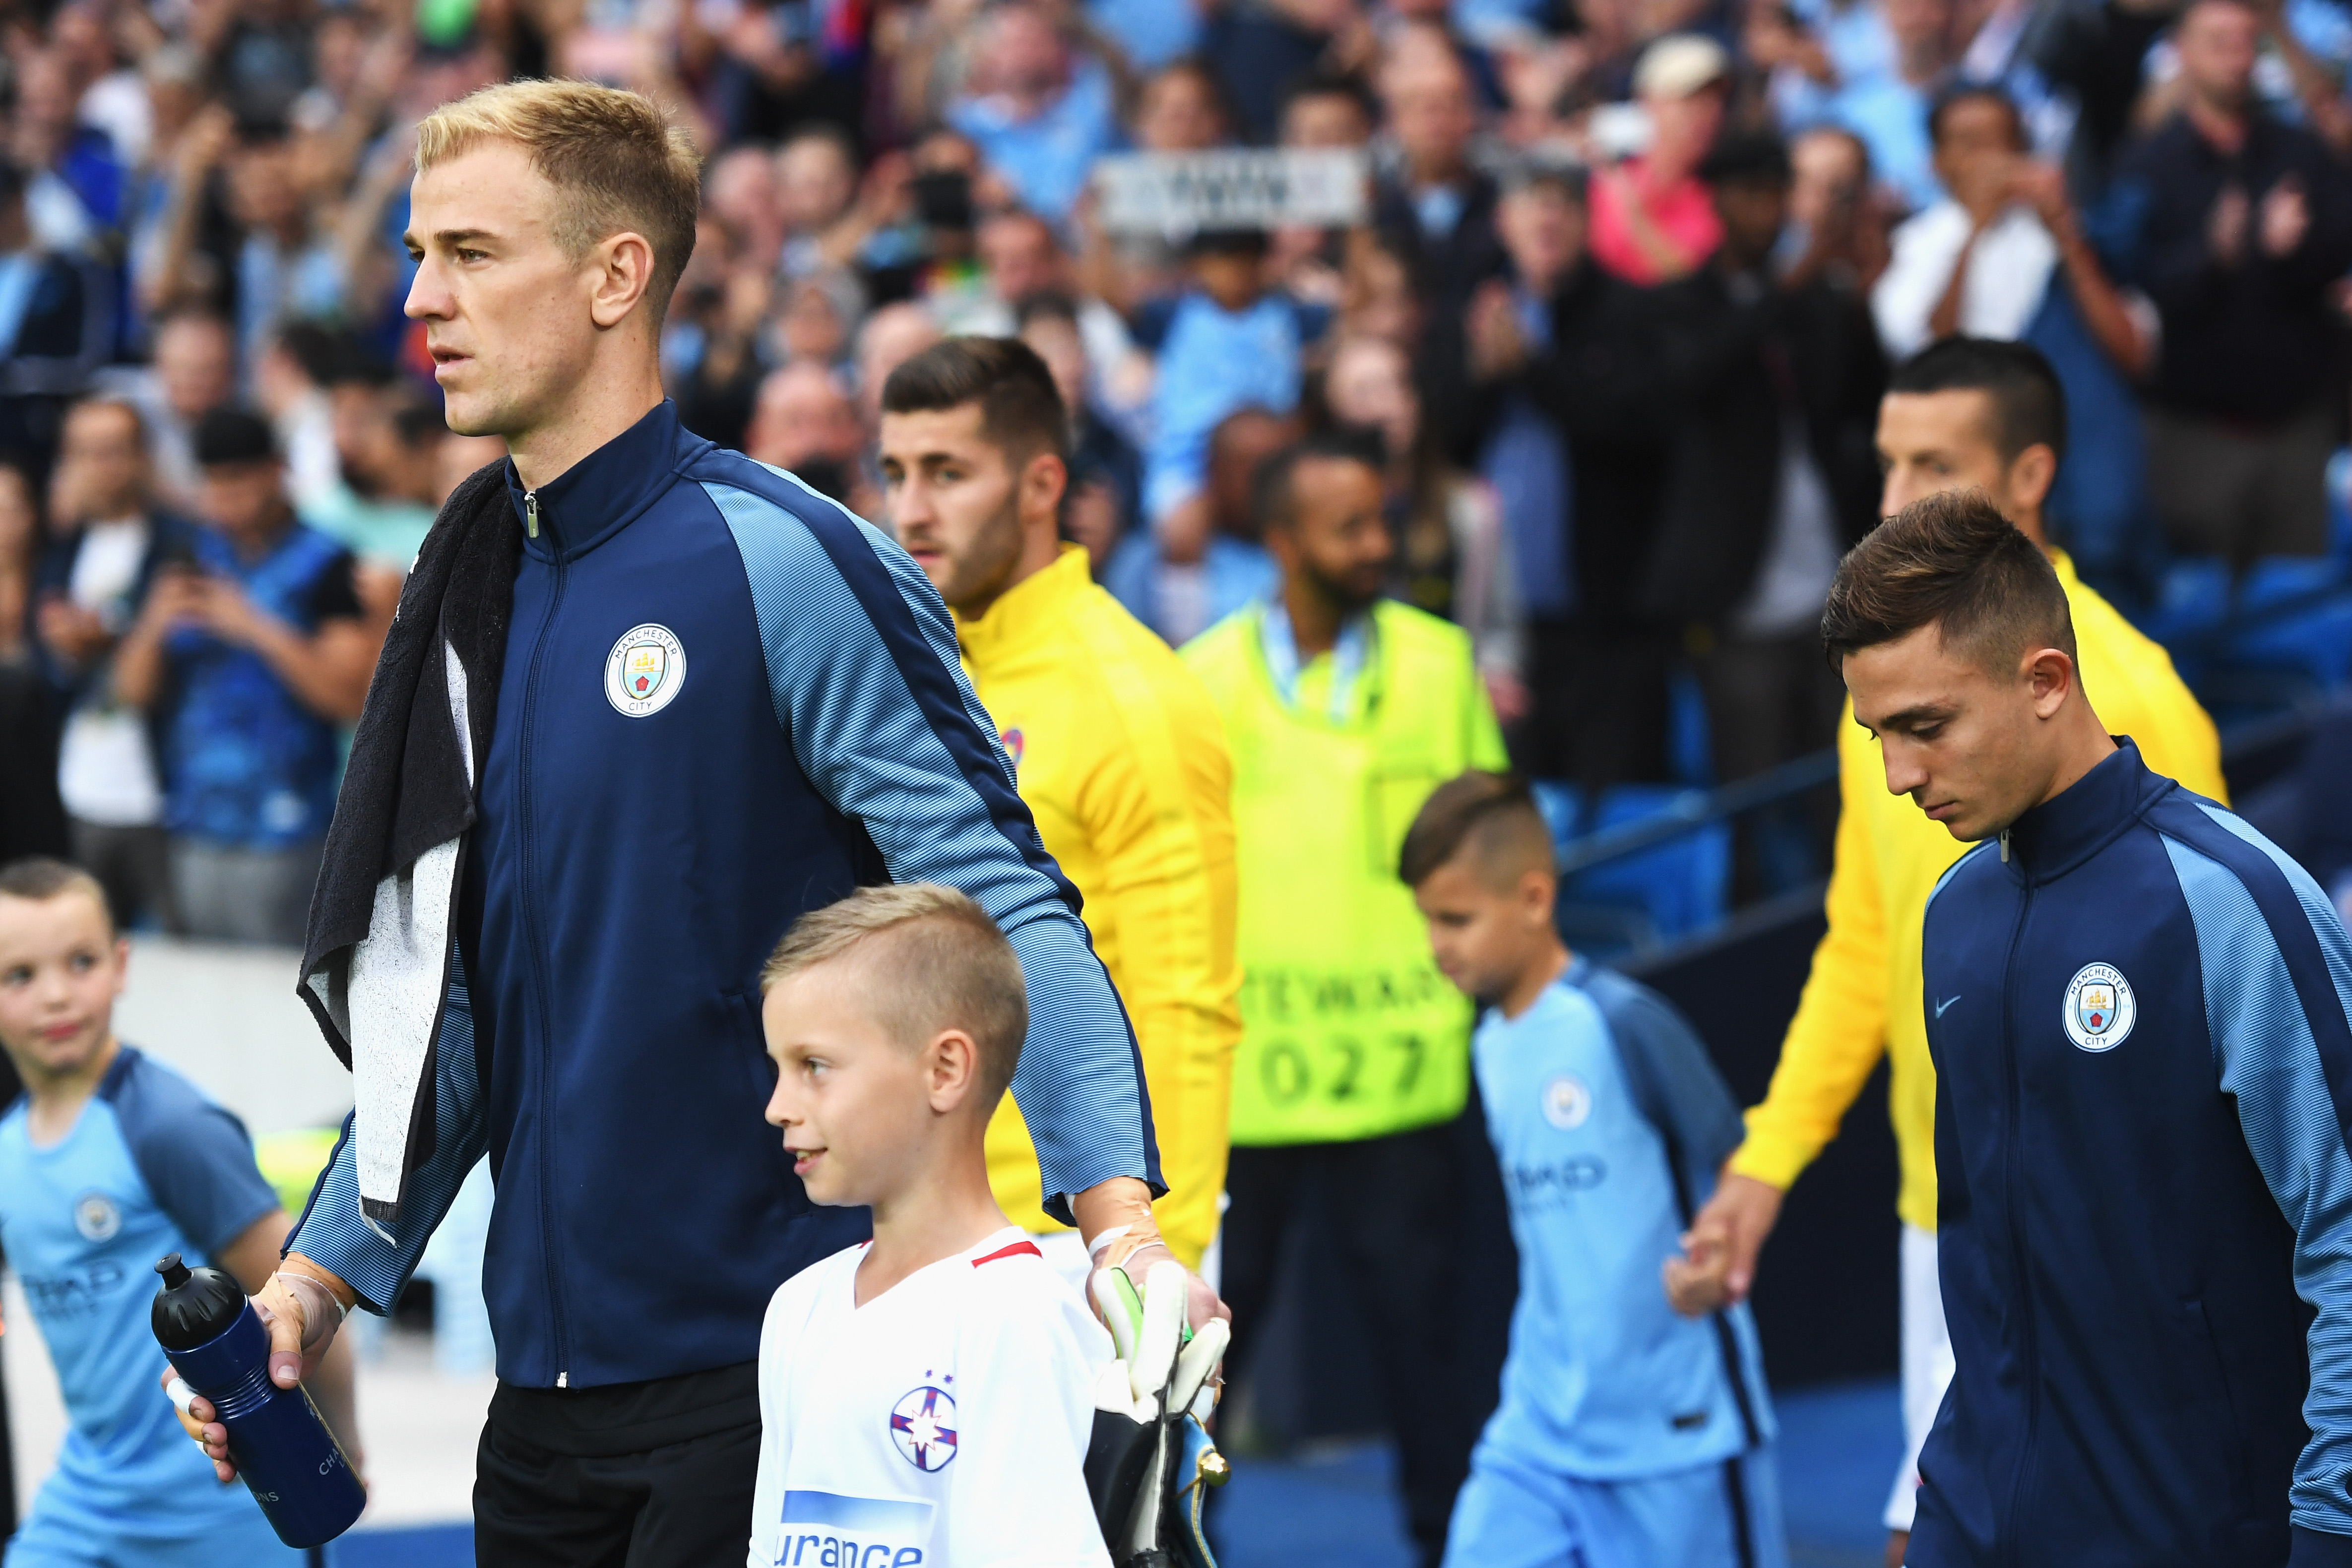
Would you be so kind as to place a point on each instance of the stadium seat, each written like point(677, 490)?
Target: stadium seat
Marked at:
point(2193, 598)
point(2288, 618)
point(1650, 897)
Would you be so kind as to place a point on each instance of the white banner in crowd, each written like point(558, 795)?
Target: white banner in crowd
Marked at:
point(1179, 193)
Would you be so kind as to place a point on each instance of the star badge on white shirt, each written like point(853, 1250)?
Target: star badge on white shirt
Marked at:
point(923, 1424)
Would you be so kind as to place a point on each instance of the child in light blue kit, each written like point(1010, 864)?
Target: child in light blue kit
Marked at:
point(108, 1161)
point(1631, 1434)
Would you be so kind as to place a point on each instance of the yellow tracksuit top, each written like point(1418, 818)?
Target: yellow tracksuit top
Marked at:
point(1121, 758)
point(1863, 994)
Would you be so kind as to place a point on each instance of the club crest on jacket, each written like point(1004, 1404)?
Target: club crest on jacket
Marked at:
point(2099, 1009)
point(644, 670)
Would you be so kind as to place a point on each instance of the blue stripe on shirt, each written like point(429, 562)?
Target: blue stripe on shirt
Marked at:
point(861, 654)
point(2278, 985)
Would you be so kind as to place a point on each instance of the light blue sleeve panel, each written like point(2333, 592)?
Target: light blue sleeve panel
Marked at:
point(2280, 1055)
point(862, 659)
point(193, 1156)
point(335, 1235)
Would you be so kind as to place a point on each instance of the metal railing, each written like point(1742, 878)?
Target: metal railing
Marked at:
point(1695, 809)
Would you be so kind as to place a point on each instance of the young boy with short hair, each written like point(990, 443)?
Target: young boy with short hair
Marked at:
point(108, 1161)
point(1633, 1430)
point(926, 1398)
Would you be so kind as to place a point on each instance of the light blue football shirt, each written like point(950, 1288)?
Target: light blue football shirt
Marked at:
point(1604, 1381)
point(149, 1167)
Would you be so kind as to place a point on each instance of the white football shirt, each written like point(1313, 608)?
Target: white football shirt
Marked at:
point(941, 1425)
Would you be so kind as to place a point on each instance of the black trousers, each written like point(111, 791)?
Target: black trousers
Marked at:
point(638, 1475)
point(1418, 1223)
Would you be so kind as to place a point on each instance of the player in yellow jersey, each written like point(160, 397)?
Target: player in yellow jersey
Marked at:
point(1964, 412)
point(1116, 748)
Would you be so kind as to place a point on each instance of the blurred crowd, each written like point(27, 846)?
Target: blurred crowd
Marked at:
point(1630, 278)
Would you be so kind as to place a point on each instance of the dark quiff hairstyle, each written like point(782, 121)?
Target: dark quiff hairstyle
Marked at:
point(2029, 406)
point(1950, 560)
point(1274, 497)
point(1493, 815)
point(1019, 410)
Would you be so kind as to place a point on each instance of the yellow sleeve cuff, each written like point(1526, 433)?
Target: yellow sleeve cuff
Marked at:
point(1772, 1156)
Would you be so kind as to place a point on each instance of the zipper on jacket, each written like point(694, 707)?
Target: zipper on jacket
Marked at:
point(2012, 1181)
point(531, 527)
point(536, 956)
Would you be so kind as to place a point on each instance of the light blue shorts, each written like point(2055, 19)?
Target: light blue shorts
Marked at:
point(1721, 1515)
point(63, 1530)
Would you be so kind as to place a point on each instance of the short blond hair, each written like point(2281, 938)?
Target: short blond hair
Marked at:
point(614, 158)
point(939, 963)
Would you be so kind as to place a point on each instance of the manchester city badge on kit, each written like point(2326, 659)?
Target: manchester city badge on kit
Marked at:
point(2099, 1008)
point(644, 670)
point(96, 1216)
point(1566, 1102)
point(923, 1424)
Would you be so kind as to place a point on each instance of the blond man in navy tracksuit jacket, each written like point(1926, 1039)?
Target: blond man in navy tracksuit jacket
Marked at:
point(646, 703)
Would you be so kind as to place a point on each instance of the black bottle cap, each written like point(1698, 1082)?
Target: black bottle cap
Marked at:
point(195, 1306)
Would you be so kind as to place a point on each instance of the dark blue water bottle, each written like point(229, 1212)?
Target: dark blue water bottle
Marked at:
point(277, 1440)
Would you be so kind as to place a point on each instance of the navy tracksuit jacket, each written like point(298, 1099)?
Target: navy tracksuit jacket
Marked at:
point(2137, 1007)
point(647, 830)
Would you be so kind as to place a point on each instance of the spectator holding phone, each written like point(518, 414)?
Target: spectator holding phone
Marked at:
point(248, 655)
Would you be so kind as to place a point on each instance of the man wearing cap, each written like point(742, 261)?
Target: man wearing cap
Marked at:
point(247, 657)
point(1653, 220)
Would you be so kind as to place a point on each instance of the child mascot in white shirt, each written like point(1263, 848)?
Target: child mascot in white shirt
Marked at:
point(930, 1398)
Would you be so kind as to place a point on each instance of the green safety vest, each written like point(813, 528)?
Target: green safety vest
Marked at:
point(1347, 1030)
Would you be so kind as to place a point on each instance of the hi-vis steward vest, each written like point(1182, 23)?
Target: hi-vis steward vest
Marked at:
point(1347, 1030)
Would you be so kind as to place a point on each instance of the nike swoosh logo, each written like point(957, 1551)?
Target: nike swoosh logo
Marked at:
point(1944, 1006)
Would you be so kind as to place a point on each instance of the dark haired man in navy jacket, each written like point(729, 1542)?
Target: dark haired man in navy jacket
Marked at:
point(2137, 1011)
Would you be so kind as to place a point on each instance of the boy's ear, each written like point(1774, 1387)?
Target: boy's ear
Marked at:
point(1537, 890)
point(951, 1066)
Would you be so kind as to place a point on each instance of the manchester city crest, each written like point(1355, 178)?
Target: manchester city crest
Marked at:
point(1566, 1102)
point(644, 670)
point(923, 1424)
point(2099, 1008)
point(96, 1216)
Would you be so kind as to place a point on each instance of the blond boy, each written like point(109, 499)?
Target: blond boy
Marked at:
point(926, 1398)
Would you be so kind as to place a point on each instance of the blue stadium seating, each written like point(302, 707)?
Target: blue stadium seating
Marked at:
point(1648, 898)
